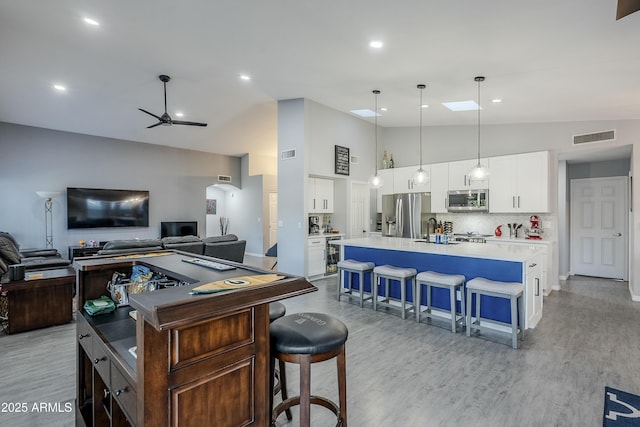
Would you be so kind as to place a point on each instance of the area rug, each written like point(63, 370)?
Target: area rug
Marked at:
point(620, 408)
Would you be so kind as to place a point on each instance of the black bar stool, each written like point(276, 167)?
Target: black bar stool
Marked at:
point(306, 338)
point(278, 377)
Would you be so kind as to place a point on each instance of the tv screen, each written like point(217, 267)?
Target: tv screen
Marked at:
point(178, 228)
point(96, 208)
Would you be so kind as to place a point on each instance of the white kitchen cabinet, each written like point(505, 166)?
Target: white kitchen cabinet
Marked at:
point(387, 186)
point(534, 290)
point(459, 175)
point(519, 183)
point(439, 187)
point(316, 261)
point(320, 195)
point(403, 180)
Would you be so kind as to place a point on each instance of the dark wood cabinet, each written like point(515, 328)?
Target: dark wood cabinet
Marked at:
point(201, 359)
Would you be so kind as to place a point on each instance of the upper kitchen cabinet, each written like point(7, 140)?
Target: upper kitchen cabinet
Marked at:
point(439, 187)
point(403, 180)
point(320, 195)
point(519, 183)
point(459, 175)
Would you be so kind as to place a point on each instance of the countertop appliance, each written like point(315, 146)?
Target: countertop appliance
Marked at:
point(406, 214)
point(314, 224)
point(471, 237)
point(468, 201)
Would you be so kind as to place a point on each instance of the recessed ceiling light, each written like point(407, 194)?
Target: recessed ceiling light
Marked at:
point(424, 106)
point(376, 44)
point(245, 77)
point(496, 101)
point(91, 22)
point(366, 113)
point(179, 114)
point(59, 88)
point(461, 105)
point(383, 109)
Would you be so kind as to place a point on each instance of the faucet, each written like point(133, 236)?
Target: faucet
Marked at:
point(435, 225)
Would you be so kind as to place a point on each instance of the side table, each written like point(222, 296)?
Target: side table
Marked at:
point(44, 298)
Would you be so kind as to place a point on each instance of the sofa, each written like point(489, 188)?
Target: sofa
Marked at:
point(227, 247)
point(31, 259)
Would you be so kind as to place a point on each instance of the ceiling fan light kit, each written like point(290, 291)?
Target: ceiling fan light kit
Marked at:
point(165, 119)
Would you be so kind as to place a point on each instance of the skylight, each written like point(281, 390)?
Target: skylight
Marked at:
point(461, 105)
point(365, 113)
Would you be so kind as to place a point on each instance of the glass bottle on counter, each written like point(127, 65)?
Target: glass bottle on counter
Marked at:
point(391, 161)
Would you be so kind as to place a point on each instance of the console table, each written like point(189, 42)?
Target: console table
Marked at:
point(199, 359)
point(42, 299)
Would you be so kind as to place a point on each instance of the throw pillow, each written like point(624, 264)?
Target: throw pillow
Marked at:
point(10, 237)
point(3, 266)
point(8, 251)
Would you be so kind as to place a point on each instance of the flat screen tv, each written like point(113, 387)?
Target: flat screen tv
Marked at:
point(98, 207)
point(178, 228)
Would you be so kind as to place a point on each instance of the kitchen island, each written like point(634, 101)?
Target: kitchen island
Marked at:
point(501, 262)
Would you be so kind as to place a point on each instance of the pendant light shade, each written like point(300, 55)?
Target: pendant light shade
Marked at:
point(375, 181)
point(420, 177)
point(479, 172)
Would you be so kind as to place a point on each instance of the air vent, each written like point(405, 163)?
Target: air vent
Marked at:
point(607, 135)
point(288, 154)
point(354, 160)
point(224, 178)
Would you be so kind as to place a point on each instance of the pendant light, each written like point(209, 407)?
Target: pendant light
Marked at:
point(375, 181)
point(420, 177)
point(479, 172)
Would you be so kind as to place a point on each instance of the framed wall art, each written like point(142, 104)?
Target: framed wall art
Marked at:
point(342, 159)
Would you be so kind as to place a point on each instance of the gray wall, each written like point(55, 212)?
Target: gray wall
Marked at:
point(33, 159)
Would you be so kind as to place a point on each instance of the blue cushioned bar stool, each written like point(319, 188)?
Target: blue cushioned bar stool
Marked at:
point(514, 292)
point(306, 338)
point(452, 282)
point(351, 267)
point(388, 273)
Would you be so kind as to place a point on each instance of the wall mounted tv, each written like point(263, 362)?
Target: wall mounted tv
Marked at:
point(98, 207)
point(178, 228)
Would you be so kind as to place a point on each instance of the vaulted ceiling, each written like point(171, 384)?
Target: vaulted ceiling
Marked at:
point(547, 60)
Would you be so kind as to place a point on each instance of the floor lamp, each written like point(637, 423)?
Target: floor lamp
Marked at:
point(48, 197)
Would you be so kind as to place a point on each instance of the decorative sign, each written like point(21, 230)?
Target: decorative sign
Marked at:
point(342, 160)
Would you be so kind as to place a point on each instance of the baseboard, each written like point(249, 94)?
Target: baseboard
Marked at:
point(563, 277)
point(252, 254)
point(634, 298)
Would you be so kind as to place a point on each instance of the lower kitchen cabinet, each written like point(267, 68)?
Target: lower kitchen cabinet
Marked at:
point(534, 286)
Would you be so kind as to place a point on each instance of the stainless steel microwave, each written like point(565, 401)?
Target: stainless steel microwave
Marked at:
point(468, 201)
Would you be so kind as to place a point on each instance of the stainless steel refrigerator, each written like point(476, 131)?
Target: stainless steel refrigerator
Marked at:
point(406, 215)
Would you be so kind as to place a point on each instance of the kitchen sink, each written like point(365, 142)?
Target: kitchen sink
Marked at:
point(434, 243)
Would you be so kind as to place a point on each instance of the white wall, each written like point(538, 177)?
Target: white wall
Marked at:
point(33, 159)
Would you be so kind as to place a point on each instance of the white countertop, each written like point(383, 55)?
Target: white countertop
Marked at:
point(313, 236)
point(495, 251)
point(520, 240)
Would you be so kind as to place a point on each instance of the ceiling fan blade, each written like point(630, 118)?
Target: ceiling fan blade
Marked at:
point(180, 122)
point(151, 114)
point(152, 126)
point(627, 7)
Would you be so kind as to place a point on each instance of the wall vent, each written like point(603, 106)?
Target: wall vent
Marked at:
point(607, 135)
point(288, 154)
point(224, 178)
point(354, 160)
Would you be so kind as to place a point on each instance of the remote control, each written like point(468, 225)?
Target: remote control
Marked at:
point(209, 264)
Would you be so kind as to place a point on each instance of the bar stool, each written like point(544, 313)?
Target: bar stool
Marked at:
point(352, 267)
point(306, 338)
point(390, 272)
point(512, 291)
point(452, 282)
point(276, 311)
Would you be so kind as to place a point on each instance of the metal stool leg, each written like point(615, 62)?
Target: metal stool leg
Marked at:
point(452, 299)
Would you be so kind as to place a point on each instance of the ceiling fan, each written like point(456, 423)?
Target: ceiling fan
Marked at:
point(166, 119)
point(627, 7)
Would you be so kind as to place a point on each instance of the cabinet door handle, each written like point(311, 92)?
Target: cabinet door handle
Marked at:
point(513, 201)
point(81, 336)
point(121, 390)
point(103, 358)
point(533, 264)
point(537, 286)
point(106, 393)
point(518, 201)
point(617, 234)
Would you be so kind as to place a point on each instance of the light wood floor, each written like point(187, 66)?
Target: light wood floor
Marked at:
point(404, 374)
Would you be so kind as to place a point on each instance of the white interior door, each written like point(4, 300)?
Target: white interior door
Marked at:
point(599, 227)
point(359, 223)
point(273, 218)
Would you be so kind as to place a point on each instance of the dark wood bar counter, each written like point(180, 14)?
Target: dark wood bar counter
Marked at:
point(188, 359)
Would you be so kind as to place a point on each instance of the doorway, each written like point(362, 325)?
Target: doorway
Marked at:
point(599, 227)
point(359, 217)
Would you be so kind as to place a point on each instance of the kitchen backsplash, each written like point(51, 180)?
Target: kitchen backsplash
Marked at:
point(487, 223)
